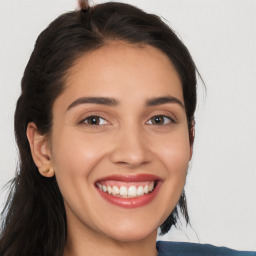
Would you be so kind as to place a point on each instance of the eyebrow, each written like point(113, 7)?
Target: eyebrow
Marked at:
point(93, 100)
point(163, 100)
point(113, 102)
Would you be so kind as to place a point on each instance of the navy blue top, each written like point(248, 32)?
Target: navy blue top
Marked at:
point(192, 249)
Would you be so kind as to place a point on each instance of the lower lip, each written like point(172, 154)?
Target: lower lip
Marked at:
point(131, 202)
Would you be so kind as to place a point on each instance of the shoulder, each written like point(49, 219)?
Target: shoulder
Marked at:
point(192, 249)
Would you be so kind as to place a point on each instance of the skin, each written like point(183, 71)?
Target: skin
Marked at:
point(125, 141)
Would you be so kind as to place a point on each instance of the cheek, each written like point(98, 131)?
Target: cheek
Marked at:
point(175, 155)
point(175, 152)
point(74, 160)
point(74, 156)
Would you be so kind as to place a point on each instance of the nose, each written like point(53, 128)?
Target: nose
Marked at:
point(130, 148)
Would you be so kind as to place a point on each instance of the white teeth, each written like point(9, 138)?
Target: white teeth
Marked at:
point(151, 186)
point(140, 191)
point(115, 190)
point(132, 191)
point(125, 192)
point(146, 189)
point(109, 190)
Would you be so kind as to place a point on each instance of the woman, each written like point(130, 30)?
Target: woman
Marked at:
point(105, 129)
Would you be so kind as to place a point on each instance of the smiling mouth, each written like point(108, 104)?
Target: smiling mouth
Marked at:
point(129, 191)
point(126, 189)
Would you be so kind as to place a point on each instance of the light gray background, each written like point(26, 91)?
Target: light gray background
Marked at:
point(221, 36)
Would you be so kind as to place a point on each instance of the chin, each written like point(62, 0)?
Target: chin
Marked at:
point(133, 234)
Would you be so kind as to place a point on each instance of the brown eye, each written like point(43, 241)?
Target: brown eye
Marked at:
point(94, 120)
point(160, 120)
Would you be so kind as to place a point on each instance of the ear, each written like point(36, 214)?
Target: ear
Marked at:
point(40, 150)
point(191, 137)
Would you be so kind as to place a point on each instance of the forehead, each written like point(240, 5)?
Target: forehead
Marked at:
point(120, 70)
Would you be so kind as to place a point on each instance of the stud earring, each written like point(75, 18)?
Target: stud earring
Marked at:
point(46, 170)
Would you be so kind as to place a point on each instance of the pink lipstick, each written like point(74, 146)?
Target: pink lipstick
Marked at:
point(129, 191)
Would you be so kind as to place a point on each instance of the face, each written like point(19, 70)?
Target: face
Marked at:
point(119, 144)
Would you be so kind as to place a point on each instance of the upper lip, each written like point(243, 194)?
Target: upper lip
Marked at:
point(131, 178)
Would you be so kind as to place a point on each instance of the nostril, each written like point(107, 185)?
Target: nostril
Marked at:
point(130, 157)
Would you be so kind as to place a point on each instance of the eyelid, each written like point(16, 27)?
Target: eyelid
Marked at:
point(93, 114)
point(172, 121)
point(100, 118)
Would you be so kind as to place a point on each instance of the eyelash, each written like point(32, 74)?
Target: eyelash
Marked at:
point(166, 120)
point(98, 118)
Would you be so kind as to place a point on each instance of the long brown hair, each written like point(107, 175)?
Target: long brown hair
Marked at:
point(34, 216)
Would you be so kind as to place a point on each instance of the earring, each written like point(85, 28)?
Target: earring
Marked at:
point(44, 171)
point(47, 172)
